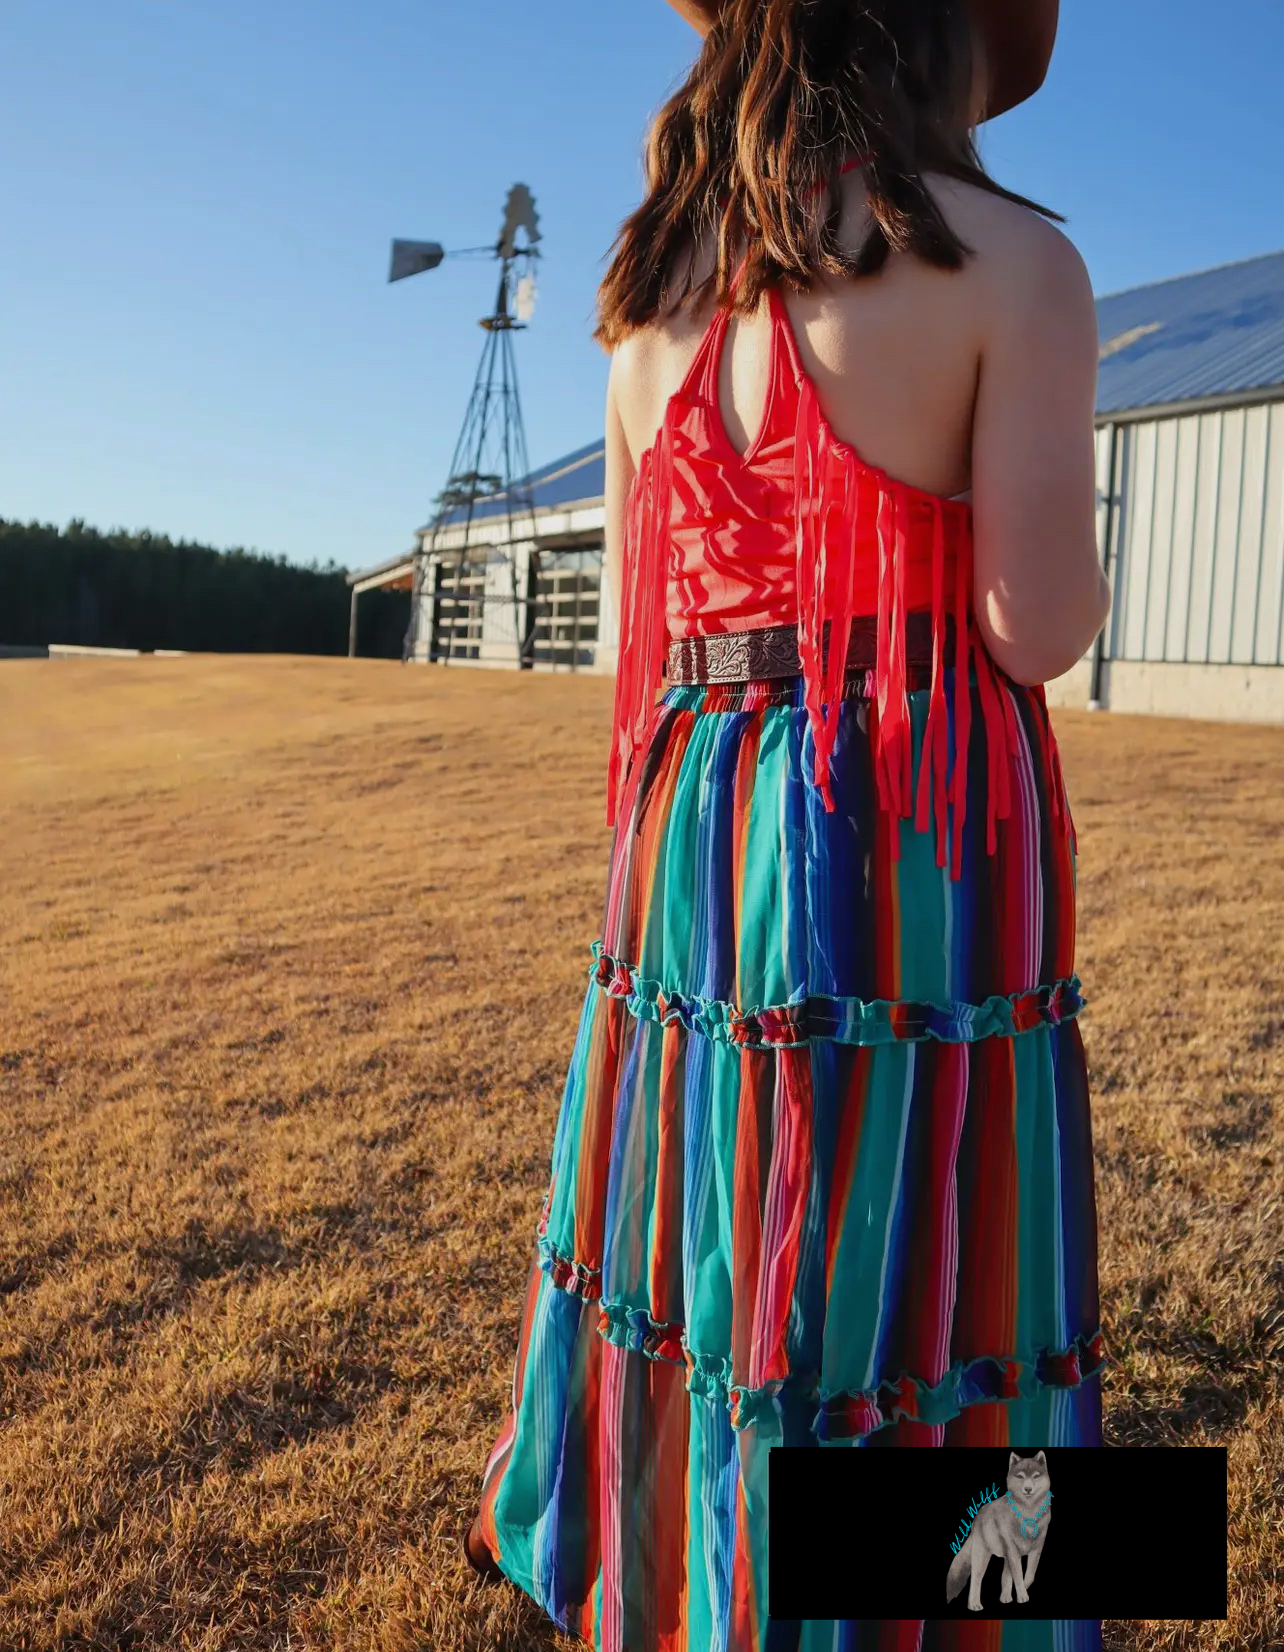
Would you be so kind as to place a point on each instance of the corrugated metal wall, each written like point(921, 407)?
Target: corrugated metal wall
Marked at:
point(1197, 553)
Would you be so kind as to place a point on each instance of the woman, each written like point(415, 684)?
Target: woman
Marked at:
point(822, 1172)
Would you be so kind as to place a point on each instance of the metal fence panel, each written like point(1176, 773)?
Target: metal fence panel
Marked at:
point(1197, 568)
point(567, 606)
point(1248, 562)
point(458, 611)
point(1204, 537)
point(1226, 545)
point(1138, 520)
point(1122, 488)
point(1269, 643)
point(1181, 564)
point(1160, 561)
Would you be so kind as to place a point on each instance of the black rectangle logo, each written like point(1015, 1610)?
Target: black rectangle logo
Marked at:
point(1078, 1531)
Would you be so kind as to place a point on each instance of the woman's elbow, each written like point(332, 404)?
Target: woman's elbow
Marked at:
point(1051, 643)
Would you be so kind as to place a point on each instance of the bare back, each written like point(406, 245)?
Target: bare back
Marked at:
point(980, 379)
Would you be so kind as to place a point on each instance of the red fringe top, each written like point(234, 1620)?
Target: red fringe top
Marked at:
point(799, 529)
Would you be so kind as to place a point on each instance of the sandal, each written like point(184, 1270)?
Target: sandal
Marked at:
point(489, 1569)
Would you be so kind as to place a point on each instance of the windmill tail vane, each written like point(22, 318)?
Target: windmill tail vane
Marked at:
point(414, 257)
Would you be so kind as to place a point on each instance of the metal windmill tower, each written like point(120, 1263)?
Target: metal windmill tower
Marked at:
point(485, 505)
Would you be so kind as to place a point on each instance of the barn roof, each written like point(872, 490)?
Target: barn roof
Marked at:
point(576, 478)
point(1218, 332)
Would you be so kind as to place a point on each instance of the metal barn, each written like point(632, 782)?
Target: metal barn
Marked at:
point(546, 587)
point(1190, 484)
point(1190, 467)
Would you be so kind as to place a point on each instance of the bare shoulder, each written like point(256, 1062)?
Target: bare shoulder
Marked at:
point(647, 364)
point(646, 351)
point(1023, 263)
point(636, 375)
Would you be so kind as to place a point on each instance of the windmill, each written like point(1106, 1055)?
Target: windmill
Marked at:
point(478, 512)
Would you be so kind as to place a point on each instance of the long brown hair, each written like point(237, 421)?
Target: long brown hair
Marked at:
point(748, 151)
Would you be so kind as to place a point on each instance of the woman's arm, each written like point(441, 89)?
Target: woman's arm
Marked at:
point(1040, 593)
point(619, 476)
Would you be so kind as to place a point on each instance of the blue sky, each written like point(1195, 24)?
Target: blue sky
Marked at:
point(198, 198)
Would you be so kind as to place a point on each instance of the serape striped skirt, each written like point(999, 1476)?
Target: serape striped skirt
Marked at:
point(822, 1175)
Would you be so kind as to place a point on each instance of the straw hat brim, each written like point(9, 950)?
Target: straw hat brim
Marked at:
point(1019, 36)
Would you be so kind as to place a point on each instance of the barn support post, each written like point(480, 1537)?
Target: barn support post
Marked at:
point(1107, 550)
point(352, 625)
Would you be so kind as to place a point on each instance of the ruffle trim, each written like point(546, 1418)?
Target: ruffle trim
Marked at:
point(969, 1382)
point(851, 1414)
point(844, 1020)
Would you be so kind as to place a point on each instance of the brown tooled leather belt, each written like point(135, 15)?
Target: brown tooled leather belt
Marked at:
point(772, 650)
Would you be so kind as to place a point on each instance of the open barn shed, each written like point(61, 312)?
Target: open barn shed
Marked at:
point(546, 586)
point(1190, 482)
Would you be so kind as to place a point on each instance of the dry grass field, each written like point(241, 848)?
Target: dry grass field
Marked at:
point(293, 952)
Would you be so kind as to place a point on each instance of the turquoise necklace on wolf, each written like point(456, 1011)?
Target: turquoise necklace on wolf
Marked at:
point(1030, 1522)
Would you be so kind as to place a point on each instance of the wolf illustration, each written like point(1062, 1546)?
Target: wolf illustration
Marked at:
point(998, 1530)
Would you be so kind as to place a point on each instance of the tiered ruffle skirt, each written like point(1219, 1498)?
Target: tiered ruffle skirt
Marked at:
point(822, 1175)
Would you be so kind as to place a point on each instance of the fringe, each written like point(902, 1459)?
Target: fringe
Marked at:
point(823, 638)
point(935, 758)
point(644, 580)
point(1001, 738)
point(626, 667)
point(812, 508)
point(1060, 800)
point(832, 493)
point(962, 699)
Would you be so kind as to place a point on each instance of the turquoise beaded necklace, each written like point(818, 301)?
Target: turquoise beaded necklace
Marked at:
point(1030, 1522)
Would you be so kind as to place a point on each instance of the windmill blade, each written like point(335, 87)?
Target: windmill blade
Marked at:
point(524, 305)
point(413, 257)
point(519, 213)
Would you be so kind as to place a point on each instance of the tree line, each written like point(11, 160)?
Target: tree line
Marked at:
point(145, 590)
